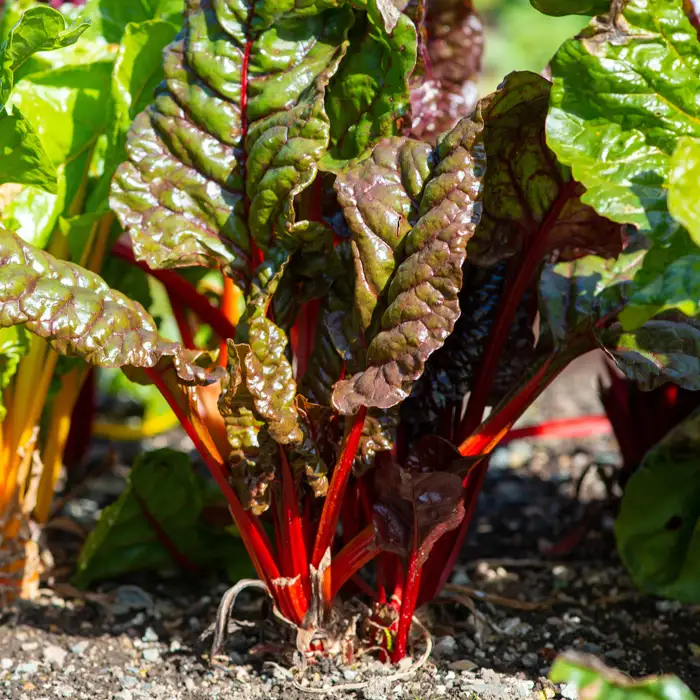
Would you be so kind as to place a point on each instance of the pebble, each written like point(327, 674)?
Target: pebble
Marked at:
point(6, 664)
point(175, 645)
point(463, 665)
point(55, 655)
point(445, 647)
point(615, 654)
point(349, 674)
point(529, 660)
point(152, 655)
point(26, 668)
point(30, 646)
point(569, 691)
point(123, 695)
point(149, 635)
point(80, 648)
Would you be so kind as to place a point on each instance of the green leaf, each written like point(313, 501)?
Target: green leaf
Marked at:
point(561, 8)
point(30, 212)
point(111, 17)
point(422, 298)
point(683, 181)
point(369, 94)
point(582, 300)
point(595, 681)
point(379, 201)
point(39, 29)
point(13, 347)
point(657, 526)
point(624, 93)
point(69, 108)
point(231, 174)
point(157, 523)
point(78, 314)
point(532, 205)
point(575, 296)
point(138, 70)
point(23, 159)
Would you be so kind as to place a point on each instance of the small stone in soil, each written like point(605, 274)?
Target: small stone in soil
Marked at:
point(55, 655)
point(152, 655)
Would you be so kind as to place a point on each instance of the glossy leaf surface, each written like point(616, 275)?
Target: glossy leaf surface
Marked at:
point(624, 93)
point(235, 131)
point(78, 314)
point(422, 298)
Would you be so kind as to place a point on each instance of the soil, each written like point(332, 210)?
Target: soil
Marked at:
point(512, 607)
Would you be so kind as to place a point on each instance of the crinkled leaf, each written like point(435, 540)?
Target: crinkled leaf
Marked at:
point(583, 298)
point(369, 94)
point(233, 134)
point(378, 435)
point(575, 295)
point(561, 8)
point(39, 29)
point(531, 202)
point(379, 198)
point(158, 522)
point(111, 17)
point(13, 347)
point(418, 504)
point(448, 91)
point(624, 93)
point(657, 526)
point(422, 298)
point(666, 349)
point(253, 457)
point(78, 314)
point(23, 159)
point(450, 371)
point(305, 457)
point(595, 681)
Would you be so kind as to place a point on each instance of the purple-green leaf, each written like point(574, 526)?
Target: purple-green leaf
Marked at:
point(233, 135)
point(379, 198)
point(79, 314)
point(422, 298)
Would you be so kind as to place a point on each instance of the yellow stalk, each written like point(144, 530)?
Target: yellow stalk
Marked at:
point(149, 427)
point(96, 256)
point(59, 422)
point(32, 398)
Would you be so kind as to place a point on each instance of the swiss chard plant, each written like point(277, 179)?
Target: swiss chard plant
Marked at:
point(395, 257)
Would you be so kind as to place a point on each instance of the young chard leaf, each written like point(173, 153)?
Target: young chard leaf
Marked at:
point(112, 17)
point(78, 314)
point(683, 180)
point(624, 92)
point(418, 504)
point(234, 133)
point(422, 298)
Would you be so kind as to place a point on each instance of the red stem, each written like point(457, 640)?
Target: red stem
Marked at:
point(511, 297)
point(292, 530)
point(408, 606)
point(182, 292)
point(229, 312)
point(351, 558)
point(254, 537)
point(339, 481)
point(581, 426)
